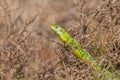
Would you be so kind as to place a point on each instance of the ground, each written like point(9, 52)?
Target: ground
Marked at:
point(29, 50)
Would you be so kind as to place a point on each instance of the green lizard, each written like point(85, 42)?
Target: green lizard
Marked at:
point(69, 41)
point(79, 52)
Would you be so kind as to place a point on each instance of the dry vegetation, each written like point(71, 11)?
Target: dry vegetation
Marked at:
point(29, 50)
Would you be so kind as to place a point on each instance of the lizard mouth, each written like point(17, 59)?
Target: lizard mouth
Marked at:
point(52, 26)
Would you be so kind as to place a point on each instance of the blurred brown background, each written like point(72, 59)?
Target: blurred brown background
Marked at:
point(26, 49)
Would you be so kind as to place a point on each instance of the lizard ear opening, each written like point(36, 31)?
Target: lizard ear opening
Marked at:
point(60, 30)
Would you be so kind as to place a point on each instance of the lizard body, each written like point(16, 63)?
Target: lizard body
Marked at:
point(69, 41)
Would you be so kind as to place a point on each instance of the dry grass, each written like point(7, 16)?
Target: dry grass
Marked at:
point(26, 54)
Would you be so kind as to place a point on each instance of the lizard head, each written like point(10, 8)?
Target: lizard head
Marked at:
point(57, 29)
point(63, 35)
